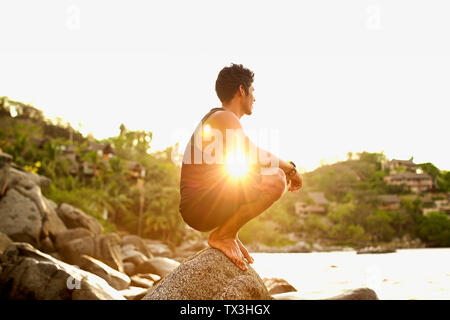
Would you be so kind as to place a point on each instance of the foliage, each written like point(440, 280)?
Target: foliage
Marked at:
point(435, 229)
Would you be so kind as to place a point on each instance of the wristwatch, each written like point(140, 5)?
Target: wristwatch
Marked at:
point(293, 170)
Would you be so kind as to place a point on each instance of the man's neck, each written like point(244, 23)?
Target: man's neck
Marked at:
point(233, 107)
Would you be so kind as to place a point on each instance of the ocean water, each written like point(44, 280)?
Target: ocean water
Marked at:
point(422, 274)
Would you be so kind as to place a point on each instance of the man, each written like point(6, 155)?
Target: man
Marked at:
point(212, 197)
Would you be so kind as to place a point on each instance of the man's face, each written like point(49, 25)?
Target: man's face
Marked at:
point(248, 100)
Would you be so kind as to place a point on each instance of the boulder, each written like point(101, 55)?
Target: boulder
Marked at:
point(47, 245)
point(150, 276)
point(129, 268)
point(20, 218)
point(137, 243)
point(277, 285)
point(159, 250)
point(127, 247)
point(115, 279)
point(352, 294)
point(134, 293)
point(75, 218)
point(190, 248)
point(210, 275)
point(104, 248)
point(62, 238)
point(5, 241)
point(29, 186)
point(133, 256)
point(141, 282)
point(31, 274)
point(26, 215)
point(160, 266)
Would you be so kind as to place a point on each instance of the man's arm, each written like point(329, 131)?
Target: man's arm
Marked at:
point(228, 120)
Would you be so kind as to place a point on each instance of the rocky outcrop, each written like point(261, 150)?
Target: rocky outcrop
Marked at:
point(75, 218)
point(115, 279)
point(210, 275)
point(31, 274)
point(104, 248)
point(160, 266)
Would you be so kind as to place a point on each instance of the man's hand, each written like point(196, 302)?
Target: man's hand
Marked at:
point(294, 182)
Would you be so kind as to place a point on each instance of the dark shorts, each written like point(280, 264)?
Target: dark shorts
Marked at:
point(206, 209)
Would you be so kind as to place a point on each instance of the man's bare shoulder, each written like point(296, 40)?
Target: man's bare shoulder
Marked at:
point(224, 120)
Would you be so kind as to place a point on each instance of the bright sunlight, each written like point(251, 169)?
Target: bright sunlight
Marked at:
point(237, 164)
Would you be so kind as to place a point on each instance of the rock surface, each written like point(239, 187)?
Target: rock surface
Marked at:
point(5, 241)
point(104, 248)
point(31, 274)
point(134, 256)
point(115, 279)
point(277, 285)
point(75, 218)
point(141, 282)
point(138, 243)
point(160, 266)
point(210, 275)
point(26, 215)
point(134, 293)
point(62, 238)
point(20, 218)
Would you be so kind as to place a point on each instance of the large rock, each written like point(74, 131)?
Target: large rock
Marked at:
point(141, 282)
point(158, 248)
point(20, 218)
point(210, 275)
point(137, 243)
point(134, 293)
point(190, 248)
point(129, 268)
point(62, 238)
point(352, 294)
point(133, 256)
point(31, 274)
point(5, 241)
point(277, 285)
point(115, 279)
point(75, 218)
point(29, 185)
point(160, 266)
point(104, 248)
point(26, 215)
point(5, 161)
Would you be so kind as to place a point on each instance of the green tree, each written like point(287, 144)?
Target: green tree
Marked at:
point(435, 229)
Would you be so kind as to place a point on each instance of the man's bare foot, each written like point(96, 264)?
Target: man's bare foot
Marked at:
point(244, 251)
point(230, 247)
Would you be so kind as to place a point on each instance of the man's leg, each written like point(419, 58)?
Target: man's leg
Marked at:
point(225, 237)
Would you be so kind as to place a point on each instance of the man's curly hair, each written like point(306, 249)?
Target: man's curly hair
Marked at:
point(229, 80)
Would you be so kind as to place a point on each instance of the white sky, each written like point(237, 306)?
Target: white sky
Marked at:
point(330, 76)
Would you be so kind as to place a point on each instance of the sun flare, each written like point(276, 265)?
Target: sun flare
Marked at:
point(237, 164)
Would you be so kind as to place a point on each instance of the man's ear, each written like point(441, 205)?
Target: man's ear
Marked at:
point(242, 90)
